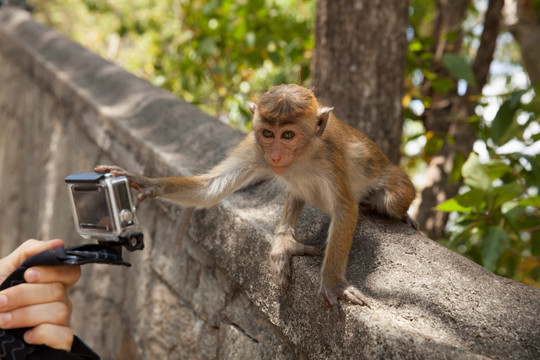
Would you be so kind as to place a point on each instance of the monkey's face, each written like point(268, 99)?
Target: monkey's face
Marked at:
point(281, 145)
point(284, 121)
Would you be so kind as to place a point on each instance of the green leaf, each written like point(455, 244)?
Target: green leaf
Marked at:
point(430, 75)
point(512, 211)
point(274, 56)
point(207, 46)
point(458, 67)
point(504, 126)
point(535, 245)
point(433, 144)
point(415, 46)
point(472, 198)
point(493, 246)
point(475, 173)
point(534, 201)
point(452, 205)
point(443, 85)
point(497, 168)
point(506, 193)
point(534, 161)
point(455, 174)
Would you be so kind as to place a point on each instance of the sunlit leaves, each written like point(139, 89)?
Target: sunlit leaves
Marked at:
point(453, 205)
point(496, 213)
point(475, 173)
point(213, 53)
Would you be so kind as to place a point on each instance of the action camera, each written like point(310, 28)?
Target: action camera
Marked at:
point(103, 209)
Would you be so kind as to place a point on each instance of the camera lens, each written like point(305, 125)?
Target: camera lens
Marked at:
point(126, 216)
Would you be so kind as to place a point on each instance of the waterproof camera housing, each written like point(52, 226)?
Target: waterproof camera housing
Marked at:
point(103, 209)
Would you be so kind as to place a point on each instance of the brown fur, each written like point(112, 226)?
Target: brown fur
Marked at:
point(285, 104)
point(320, 160)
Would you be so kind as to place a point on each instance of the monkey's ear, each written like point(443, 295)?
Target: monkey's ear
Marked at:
point(252, 107)
point(322, 119)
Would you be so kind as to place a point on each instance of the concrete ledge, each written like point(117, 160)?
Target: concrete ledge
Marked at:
point(203, 287)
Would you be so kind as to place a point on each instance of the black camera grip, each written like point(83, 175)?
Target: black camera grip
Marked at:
point(12, 345)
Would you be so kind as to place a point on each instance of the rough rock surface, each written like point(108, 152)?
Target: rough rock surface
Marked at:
point(203, 288)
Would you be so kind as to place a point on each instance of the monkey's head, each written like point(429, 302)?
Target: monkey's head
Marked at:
point(285, 120)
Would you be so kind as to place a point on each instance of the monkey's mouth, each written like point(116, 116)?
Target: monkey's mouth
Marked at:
point(279, 169)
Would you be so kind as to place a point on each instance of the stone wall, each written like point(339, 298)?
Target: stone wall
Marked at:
point(202, 287)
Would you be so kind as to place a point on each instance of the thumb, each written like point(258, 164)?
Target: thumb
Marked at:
point(24, 251)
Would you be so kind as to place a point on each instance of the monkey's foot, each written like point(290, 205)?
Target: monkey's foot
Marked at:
point(283, 249)
point(410, 221)
point(330, 296)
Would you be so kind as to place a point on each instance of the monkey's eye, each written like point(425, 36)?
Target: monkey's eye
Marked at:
point(267, 134)
point(287, 135)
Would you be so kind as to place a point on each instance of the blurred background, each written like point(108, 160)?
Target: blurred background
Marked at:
point(470, 103)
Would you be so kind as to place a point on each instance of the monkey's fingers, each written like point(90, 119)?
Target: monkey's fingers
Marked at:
point(282, 253)
point(144, 193)
point(116, 171)
point(135, 181)
point(109, 168)
point(355, 296)
point(330, 300)
point(330, 297)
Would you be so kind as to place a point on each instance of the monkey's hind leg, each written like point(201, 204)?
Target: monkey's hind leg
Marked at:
point(394, 196)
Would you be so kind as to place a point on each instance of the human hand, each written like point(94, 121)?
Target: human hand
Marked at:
point(41, 303)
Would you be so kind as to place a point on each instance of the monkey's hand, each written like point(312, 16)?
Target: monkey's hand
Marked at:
point(333, 289)
point(283, 249)
point(147, 187)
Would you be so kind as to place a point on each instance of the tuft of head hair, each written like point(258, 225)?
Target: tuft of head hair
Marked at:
point(287, 104)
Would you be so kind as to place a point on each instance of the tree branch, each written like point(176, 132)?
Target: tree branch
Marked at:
point(488, 41)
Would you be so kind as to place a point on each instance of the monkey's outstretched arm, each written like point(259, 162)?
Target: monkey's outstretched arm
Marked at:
point(202, 190)
point(199, 191)
point(285, 244)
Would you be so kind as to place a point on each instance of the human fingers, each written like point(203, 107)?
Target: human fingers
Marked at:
point(54, 336)
point(30, 247)
point(56, 313)
point(31, 294)
point(67, 275)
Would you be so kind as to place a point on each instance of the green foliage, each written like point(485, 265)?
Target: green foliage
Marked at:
point(213, 53)
point(496, 215)
point(498, 208)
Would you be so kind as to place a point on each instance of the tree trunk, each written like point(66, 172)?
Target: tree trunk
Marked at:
point(359, 64)
point(448, 113)
point(523, 21)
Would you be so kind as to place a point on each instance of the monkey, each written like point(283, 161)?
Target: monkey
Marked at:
point(320, 160)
